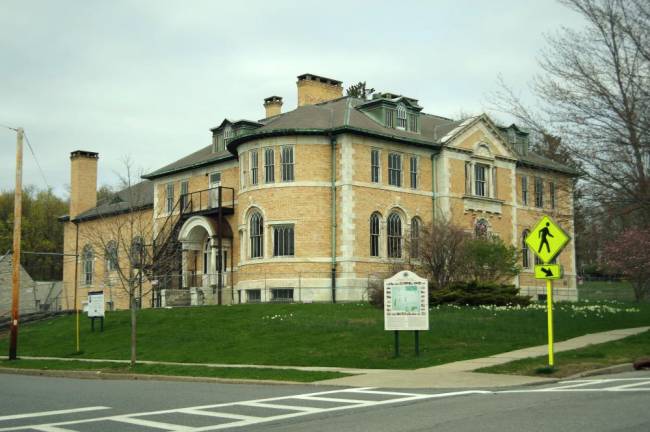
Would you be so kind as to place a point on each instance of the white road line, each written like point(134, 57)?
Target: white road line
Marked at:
point(50, 413)
point(52, 429)
point(576, 385)
point(219, 414)
point(603, 380)
point(279, 406)
point(151, 423)
point(326, 399)
point(629, 386)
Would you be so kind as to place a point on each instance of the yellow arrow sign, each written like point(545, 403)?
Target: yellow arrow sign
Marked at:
point(548, 271)
point(547, 239)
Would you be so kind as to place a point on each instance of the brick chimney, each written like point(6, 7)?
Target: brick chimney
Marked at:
point(313, 89)
point(273, 106)
point(83, 181)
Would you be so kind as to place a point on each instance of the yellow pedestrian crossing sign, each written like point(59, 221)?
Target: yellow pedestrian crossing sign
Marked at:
point(548, 271)
point(547, 239)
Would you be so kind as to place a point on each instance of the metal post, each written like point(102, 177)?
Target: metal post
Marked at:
point(76, 286)
point(417, 343)
point(396, 343)
point(18, 192)
point(549, 307)
point(219, 251)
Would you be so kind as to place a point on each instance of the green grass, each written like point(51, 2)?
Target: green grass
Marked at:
point(604, 290)
point(567, 363)
point(347, 335)
point(175, 370)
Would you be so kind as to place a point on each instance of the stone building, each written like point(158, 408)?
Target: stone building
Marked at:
point(310, 204)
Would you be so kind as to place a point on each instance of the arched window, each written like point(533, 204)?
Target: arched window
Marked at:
point(525, 253)
point(88, 258)
point(415, 237)
point(401, 116)
point(137, 252)
point(111, 256)
point(257, 235)
point(375, 220)
point(394, 236)
point(481, 229)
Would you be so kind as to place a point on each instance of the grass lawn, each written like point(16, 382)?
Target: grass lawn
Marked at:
point(605, 290)
point(175, 370)
point(572, 362)
point(347, 335)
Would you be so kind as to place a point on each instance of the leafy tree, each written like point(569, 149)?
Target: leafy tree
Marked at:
point(629, 254)
point(490, 260)
point(359, 90)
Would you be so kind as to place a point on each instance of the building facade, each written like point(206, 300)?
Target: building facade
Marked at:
point(311, 204)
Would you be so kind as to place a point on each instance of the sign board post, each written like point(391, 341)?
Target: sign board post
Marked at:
point(547, 240)
point(95, 308)
point(406, 306)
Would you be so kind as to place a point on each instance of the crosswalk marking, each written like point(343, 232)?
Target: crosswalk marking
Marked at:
point(51, 413)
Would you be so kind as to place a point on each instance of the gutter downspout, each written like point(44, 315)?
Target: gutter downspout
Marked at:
point(434, 160)
point(333, 207)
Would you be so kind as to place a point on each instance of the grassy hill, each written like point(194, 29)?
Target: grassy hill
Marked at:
point(349, 335)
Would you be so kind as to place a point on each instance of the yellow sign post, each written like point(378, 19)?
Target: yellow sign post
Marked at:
point(547, 240)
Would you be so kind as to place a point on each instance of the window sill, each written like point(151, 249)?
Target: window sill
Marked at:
point(480, 203)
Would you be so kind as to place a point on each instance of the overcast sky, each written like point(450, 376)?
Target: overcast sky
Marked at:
point(148, 79)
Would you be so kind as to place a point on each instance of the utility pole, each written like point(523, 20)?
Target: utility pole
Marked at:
point(18, 196)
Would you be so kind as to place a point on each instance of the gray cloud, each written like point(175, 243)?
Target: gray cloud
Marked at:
point(149, 78)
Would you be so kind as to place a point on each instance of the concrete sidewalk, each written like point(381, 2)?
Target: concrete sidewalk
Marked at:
point(451, 375)
point(460, 374)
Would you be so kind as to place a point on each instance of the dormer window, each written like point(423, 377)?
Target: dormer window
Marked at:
point(401, 117)
point(227, 133)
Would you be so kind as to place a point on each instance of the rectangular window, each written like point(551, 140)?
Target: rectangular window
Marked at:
point(395, 169)
point(269, 165)
point(184, 194)
point(88, 271)
point(283, 240)
point(374, 166)
point(169, 200)
point(480, 182)
point(254, 167)
point(413, 122)
point(253, 296)
point(524, 190)
point(401, 117)
point(286, 160)
point(389, 118)
point(414, 172)
point(539, 192)
point(551, 191)
point(468, 179)
point(282, 295)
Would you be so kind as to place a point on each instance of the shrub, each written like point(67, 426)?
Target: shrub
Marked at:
point(477, 293)
point(376, 293)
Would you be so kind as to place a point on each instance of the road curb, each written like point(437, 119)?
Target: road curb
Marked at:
point(98, 375)
point(620, 368)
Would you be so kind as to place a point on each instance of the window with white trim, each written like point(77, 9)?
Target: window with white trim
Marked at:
point(525, 252)
point(415, 237)
point(111, 256)
point(169, 198)
point(375, 221)
point(414, 172)
point(481, 229)
point(539, 192)
point(551, 192)
point(256, 231)
point(413, 122)
point(283, 240)
point(253, 296)
point(394, 236)
point(253, 162)
point(524, 190)
point(269, 165)
point(286, 161)
point(401, 117)
point(480, 180)
point(374, 166)
point(282, 295)
point(395, 169)
point(88, 264)
point(389, 118)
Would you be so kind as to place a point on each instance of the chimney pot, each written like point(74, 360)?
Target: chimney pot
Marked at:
point(313, 89)
point(273, 106)
point(83, 181)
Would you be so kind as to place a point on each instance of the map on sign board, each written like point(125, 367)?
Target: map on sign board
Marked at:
point(547, 239)
point(406, 302)
point(95, 307)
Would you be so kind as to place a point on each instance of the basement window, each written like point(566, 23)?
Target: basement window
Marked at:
point(282, 295)
point(253, 296)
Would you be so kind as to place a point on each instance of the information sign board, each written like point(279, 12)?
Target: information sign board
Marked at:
point(95, 304)
point(406, 302)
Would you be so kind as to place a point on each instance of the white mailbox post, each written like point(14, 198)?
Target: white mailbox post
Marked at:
point(406, 306)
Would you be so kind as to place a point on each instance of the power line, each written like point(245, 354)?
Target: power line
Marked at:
point(29, 145)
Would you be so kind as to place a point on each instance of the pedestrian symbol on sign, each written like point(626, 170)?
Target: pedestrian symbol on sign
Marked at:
point(547, 239)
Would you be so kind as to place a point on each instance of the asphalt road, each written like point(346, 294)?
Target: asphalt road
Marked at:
point(605, 403)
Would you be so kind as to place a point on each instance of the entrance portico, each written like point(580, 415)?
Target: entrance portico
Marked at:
point(202, 261)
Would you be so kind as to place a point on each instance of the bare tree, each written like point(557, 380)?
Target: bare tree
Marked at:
point(120, 240)
point(594, 96)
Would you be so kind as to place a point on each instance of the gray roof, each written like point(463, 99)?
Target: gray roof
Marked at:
point(341, 115)
point(136, 197)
